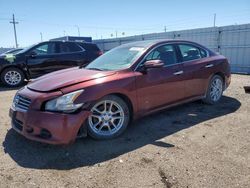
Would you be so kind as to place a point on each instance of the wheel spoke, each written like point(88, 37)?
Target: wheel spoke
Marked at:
point(112, 122)
point(118, 111)
point(97, 123)
point(96, 116)
point(117, 117)
point(109, 128)
point(105, 106)
point(96, 110)
point(100, 128)
point(110, 107)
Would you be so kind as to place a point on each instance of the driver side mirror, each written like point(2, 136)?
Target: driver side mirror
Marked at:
point(32, 54)
point(153, 64)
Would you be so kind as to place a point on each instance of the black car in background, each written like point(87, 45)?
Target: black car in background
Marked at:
point(43, 58)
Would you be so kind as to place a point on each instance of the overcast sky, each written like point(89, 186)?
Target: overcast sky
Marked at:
point(100, 19)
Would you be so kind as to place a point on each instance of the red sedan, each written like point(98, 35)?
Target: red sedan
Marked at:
point(126, 83)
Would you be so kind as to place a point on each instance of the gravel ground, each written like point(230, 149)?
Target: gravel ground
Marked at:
point(193, 145)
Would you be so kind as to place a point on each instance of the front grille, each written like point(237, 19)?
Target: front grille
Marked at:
point(22, 102)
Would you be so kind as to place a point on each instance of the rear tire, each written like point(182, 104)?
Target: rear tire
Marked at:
point(12, 77)
point(214, 90)
point(110, 118)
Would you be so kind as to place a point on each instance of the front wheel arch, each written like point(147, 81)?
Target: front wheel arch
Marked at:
point(13, 66)
point(21, 72)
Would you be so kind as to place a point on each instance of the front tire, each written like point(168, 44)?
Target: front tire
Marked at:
point(214, 90)
point(109, 119)
point(12, 77)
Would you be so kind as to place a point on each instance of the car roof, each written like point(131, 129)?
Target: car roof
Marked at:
point(149, 43)
point(66, 41)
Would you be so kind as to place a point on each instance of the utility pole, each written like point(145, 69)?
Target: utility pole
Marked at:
point(214, 19)
point(41, 34)
point(78, 29)
point(14, 24)
point(116, 34)
point(165, 29)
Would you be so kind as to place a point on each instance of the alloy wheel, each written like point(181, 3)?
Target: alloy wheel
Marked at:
point(216, 89)
point(107, 118)
point(12, 77)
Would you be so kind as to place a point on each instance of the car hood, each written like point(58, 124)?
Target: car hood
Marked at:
point(63, 78)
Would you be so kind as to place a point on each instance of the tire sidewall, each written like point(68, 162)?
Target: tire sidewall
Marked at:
point(12, 69)
point(125, 123)
point(208, 98)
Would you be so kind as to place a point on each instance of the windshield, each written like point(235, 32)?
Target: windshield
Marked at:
point(117, 59)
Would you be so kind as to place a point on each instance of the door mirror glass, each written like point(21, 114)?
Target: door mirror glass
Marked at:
point(153, 64)
point(32, 54)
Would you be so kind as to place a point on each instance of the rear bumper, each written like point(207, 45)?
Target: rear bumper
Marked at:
point(47, 127)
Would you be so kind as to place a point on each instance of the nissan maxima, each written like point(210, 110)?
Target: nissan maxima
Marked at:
point(126, 83)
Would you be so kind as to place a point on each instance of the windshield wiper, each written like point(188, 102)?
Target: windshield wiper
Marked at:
point(95, 69)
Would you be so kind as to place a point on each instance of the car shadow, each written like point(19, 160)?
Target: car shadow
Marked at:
point(88, 152)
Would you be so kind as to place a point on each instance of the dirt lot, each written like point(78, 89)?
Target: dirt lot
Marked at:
point(193, 145)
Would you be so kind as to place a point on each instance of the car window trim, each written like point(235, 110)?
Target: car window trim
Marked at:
point(191, 44)
point(65, 53)
point(159, 45)
point(40, 44)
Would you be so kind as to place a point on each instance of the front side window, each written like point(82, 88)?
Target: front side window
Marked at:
point(165, 53)
point(190, 52)
point(44, 49)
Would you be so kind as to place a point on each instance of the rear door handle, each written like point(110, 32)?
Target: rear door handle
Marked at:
point(209, 65)
point(178, 73)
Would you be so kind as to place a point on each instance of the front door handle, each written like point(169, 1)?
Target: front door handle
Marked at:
point(178, 73)
point(209, 65)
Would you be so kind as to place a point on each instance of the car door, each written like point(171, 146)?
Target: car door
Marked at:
point(195, 69)
point(70, 55)
point(41, 59)
point(158, 87)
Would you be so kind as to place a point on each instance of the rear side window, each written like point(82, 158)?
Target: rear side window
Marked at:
point(190, 52)
point(89, 47)
point(165, 53)
point(67, 47)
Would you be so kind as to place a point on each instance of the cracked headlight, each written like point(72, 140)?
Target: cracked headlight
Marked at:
point(64, 103)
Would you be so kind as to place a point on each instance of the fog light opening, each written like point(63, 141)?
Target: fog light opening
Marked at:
point(45, 134)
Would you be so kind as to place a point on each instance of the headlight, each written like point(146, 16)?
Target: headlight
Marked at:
point(64, 103)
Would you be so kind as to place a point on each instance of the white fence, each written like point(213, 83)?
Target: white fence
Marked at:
point(231, 41)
